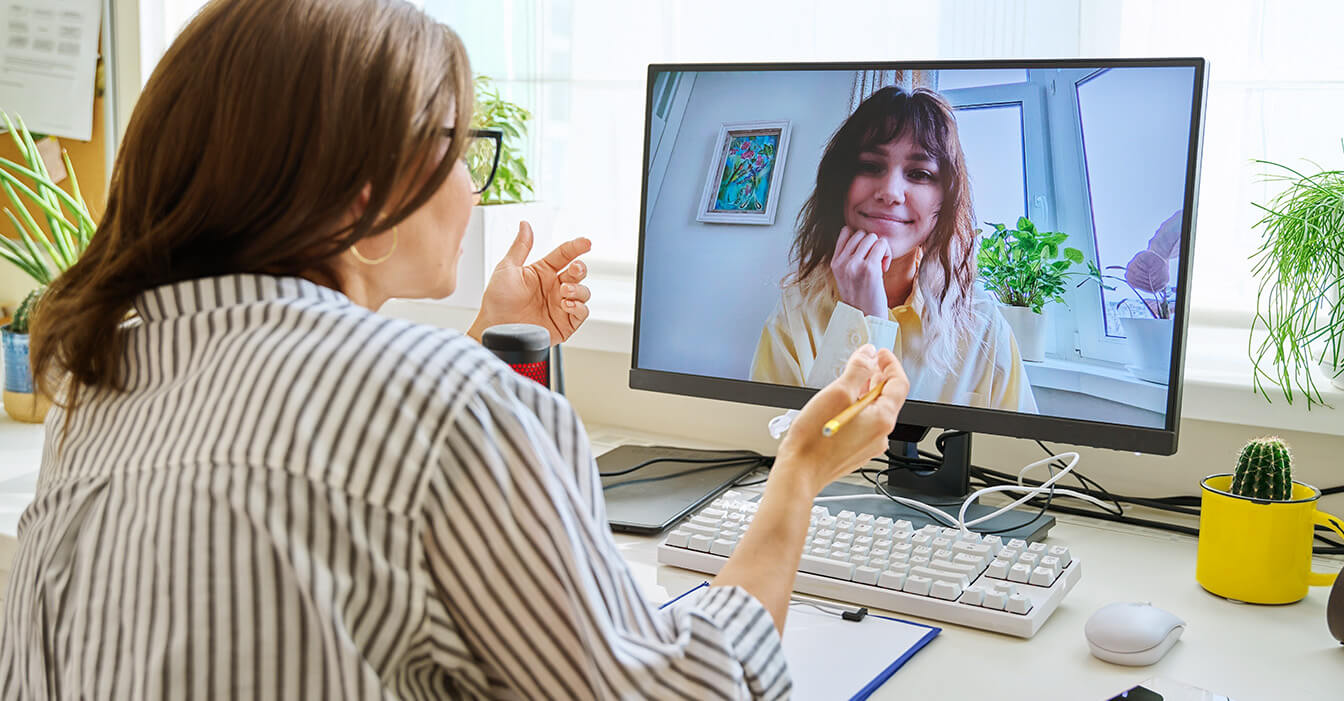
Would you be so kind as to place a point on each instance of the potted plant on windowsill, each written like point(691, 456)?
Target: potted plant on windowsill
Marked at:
point(41, 250)
point(1148, 324)
point(1300, 266)
point(507, 201)
point(1026, 269)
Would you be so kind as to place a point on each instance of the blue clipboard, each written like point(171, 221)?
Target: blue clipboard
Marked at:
point(918, 635)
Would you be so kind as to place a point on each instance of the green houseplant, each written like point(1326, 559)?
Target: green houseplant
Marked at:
point(512, 182)
point(41, 250)
point(1026, 269)
point(505, 203)
point(1300, 268)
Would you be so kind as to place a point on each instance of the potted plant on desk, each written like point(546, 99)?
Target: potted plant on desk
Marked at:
point(506, 203)
point(1026, 269)
point(41, 250)
point(1300, 266)
point(1256, 529)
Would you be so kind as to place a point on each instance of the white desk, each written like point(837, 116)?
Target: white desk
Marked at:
point(1249, 653)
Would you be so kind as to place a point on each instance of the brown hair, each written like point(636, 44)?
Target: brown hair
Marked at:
point(947, 268)
point(253, 138)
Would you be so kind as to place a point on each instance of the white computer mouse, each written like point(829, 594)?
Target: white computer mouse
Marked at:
point(1134, 634)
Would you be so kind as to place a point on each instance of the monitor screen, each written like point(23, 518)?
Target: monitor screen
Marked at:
point(1018, 233)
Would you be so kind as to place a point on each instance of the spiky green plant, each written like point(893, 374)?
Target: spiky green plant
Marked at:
point(43, 255)
point(19, 324)
point(1264, 470)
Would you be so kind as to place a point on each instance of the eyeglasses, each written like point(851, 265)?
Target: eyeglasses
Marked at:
point(481, 155)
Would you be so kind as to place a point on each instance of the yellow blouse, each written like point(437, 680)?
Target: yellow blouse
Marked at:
point(807, 339)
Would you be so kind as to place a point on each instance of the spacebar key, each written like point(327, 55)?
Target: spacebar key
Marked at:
point(827, 567)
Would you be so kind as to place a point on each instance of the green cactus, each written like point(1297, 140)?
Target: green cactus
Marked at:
point(25, 311)
point(1264, 471)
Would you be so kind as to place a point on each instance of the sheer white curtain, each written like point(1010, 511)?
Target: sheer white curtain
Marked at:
point(868, 82)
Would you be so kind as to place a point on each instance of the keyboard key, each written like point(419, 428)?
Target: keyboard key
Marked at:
point(678, 538)
point(866, 574)
point(1037, 547)
point(965, 570)
point(1062, 553)
point(827, 567)
point(1029, 558)
point(1017, 544)
point(1052, 563)
point(1019, 573)
point(994, 543)
point(1018, 604)
point(883, 521)
point(1042, 576)
point(819, 552)
point(998, 569)
point(936, 575)
point(972, 596)
point(700, 542)
point(847, 515)
point(915, 584)
point(698, 529)
point(892, 579)
point(841, 555)
point(865, 518)
point(723, 546)
point(945, 590)
point(994, 600)
point(903, 524)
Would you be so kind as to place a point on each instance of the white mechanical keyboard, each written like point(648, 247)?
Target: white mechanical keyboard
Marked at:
point(936, 573)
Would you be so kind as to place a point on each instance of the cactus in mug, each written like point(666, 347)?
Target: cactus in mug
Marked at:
point(1264, 470)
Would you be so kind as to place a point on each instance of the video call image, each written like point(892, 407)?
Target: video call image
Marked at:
point(1013, 235)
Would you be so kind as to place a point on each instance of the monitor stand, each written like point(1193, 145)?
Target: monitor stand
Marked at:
point(944, 488)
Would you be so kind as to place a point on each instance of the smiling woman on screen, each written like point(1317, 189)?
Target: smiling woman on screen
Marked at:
point(885, 253)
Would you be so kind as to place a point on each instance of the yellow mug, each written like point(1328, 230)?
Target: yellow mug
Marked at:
point(1255, 550)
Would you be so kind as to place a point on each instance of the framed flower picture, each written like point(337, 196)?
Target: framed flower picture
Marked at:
point(745, 171)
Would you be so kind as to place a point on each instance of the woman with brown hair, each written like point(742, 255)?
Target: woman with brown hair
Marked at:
point(885, 254)
point(255, 486)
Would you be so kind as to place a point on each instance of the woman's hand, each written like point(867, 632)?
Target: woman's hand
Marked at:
point(816, 460)
point(859, 260)
point(546, 293)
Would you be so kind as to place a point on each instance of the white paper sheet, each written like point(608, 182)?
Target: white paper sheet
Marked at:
point(831, 658)
point(48, 56)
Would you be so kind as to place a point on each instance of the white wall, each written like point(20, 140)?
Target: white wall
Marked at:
point(693, 267)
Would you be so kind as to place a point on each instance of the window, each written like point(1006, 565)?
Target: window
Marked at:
point(580, 65)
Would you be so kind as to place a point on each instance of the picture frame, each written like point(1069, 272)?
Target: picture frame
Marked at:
point(745, 172)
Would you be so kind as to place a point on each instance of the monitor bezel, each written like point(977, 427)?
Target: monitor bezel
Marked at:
point(1099, 434)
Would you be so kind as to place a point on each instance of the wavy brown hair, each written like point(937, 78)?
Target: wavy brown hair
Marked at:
point(947, 269)
point(252, 140)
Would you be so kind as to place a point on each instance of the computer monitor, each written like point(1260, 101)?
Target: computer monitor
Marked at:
point(1019, 232)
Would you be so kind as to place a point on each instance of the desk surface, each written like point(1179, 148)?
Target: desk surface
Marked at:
point(1245, 652)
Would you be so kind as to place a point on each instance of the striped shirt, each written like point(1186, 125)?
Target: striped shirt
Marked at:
point(297, 498)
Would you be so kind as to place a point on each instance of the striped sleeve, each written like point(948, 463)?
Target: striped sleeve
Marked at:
point(535, 585)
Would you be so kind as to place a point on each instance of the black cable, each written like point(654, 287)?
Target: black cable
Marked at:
point(727, 460)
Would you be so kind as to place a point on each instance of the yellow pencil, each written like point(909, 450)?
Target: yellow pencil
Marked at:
point(853, 410)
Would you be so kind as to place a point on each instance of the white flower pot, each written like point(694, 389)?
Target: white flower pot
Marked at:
point(1149, 342)
point(489, 234)
point(1029, 330)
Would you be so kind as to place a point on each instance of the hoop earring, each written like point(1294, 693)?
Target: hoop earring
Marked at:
point(381, 259)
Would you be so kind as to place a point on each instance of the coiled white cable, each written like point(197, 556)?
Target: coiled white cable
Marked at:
point(961, 522)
